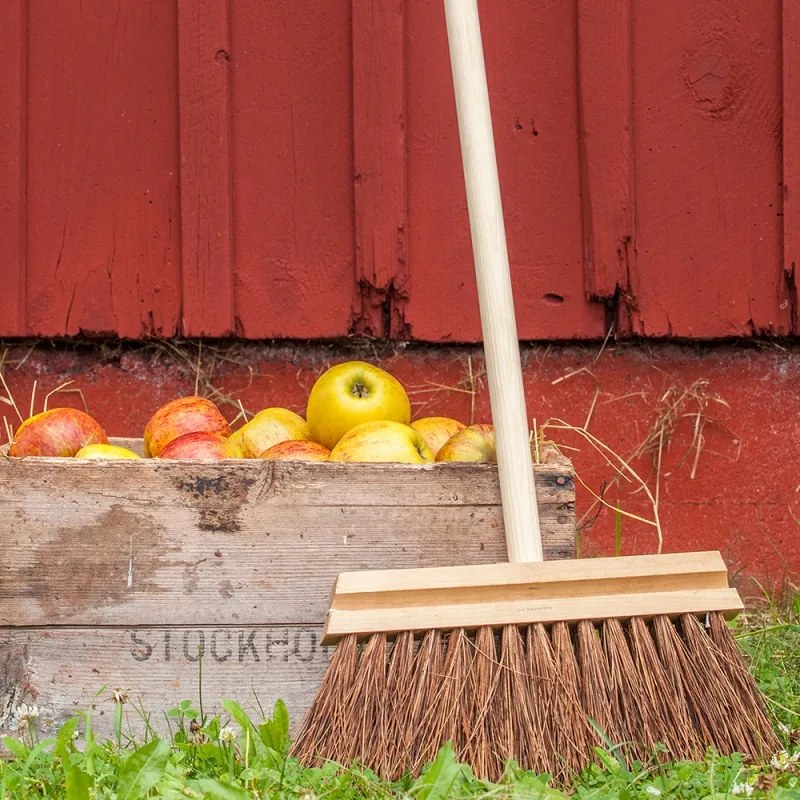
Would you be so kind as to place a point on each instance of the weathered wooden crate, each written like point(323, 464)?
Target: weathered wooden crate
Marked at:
point(149, 575)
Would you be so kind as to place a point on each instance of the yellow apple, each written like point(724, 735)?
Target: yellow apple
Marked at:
point(351, 393)
point(436, 430)
point(268, 427)
point(296, 451)
point(105, 451)
point(382, 441)
point(473, 443)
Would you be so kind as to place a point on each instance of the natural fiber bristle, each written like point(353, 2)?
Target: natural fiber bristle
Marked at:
point(545, 697)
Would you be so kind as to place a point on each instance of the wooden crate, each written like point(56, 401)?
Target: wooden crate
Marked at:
point(143, 575)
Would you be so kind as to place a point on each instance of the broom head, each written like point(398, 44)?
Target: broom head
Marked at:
point(539, 663)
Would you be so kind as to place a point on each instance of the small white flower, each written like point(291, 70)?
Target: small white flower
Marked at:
point(227, 735)
point(783, 728)
point(783, 760)
point(23, 715)
point(744, 789)
point(653, 790)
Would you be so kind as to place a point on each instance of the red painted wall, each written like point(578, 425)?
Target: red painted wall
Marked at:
point(262, 169)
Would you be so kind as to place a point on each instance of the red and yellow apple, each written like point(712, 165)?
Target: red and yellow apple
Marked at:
point(473, 443)
point(57, 432)
point(268, 427)
point(105, 451)
point(296, 450)
point(436, 430)
point(382, 441)
point(180, 416)
point(200, 444)
point(351, 393)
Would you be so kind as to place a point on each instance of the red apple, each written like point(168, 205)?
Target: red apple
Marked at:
point(200, 444)
point(474, 443)
point(180, 416)
point(56, 432)
point(296, 450)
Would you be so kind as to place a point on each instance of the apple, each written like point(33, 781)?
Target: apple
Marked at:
point(182, 415)
point(436, 430)
point(56, 432)
point(200, 444)
point(295, 450)
point(105, 451)
point(351, 393)
point(268, 427)
point(382, 441)
point(473, 443)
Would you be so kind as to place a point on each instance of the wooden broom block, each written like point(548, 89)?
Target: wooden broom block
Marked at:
point(390, 601)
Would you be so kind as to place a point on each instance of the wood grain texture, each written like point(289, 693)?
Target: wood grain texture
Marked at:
point(707, 127)
point(149, 542)
point(13, 102)
point(204, 81)
point(379, 156)
point(605, 76)
point(293, 168)
point(531, 68)
point(62, 670)
point(791, 160)
point(102, 169)
point(390, 601)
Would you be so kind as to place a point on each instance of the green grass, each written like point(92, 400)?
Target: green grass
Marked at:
point(235, 758)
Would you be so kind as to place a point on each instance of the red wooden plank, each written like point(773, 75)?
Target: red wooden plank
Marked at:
point(204, 64)
point(293, 167)
point(605, 94)
point(791, 160)
point(102, 168)
point(707, 124)
point(13, 44)
point(531, 65)
point(379, 146)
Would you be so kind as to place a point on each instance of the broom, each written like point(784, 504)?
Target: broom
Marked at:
point(539, 663)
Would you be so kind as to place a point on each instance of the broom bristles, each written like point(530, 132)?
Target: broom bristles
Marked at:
point(545, 698)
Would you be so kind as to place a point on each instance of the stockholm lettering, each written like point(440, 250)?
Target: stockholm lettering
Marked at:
point(223, 645)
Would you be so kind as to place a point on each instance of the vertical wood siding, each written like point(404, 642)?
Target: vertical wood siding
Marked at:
point(256, 168)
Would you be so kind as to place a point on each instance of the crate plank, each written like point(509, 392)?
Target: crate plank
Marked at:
point(63, 670)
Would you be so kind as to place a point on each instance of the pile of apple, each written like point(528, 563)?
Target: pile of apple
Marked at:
point(356, 412)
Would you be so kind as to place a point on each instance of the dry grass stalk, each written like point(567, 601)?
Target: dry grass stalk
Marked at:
point(623, 471)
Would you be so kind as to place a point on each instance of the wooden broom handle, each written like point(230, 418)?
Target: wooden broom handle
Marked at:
point(501, 346)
